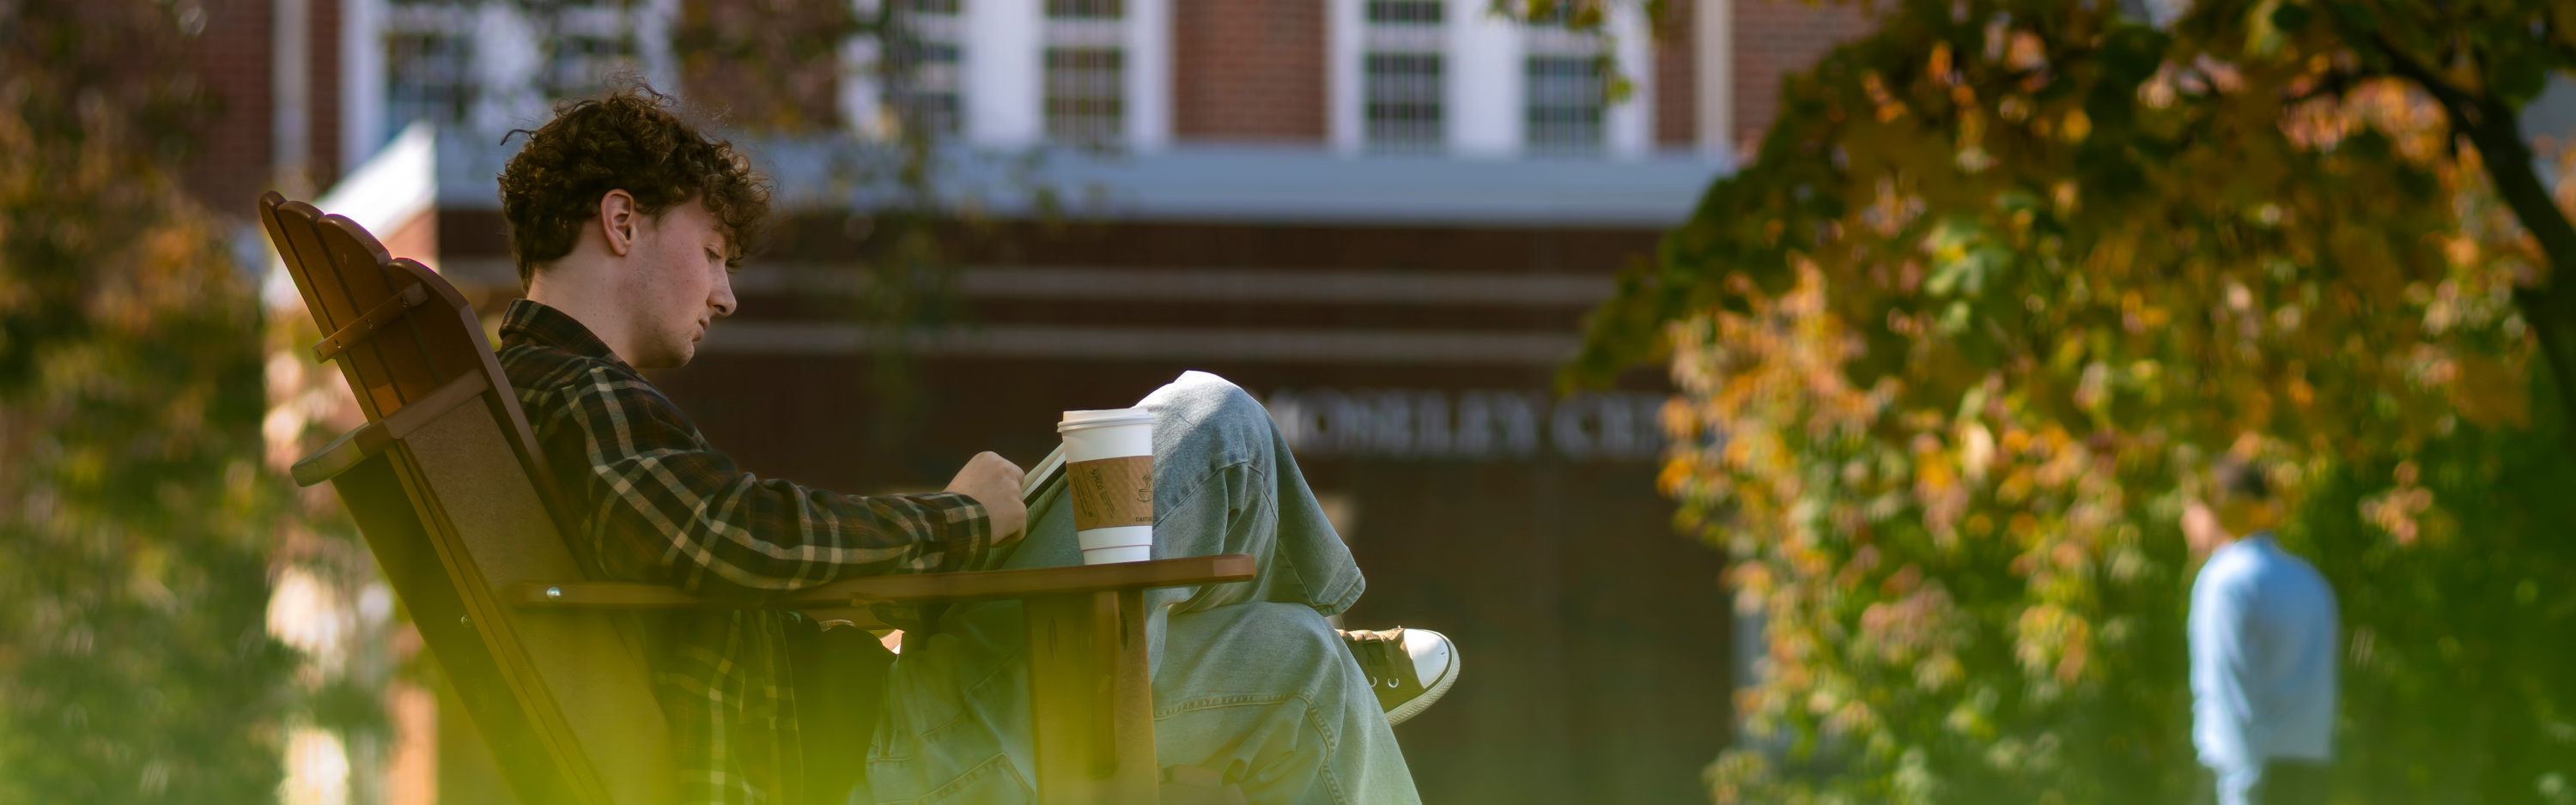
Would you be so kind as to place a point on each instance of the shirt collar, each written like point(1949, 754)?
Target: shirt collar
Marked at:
point(534, 322)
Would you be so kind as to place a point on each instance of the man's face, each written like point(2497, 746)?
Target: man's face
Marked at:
point(679, 285)
point(2201, 531)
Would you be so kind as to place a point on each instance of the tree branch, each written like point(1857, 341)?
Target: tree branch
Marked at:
point(2491, 125)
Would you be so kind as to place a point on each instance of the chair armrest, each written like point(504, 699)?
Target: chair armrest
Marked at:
point(1187, 571)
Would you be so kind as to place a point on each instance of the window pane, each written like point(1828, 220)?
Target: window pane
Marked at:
point(1404, 12)
point(1564, 105)
point(1086, 95)
point(579, 66)
point(1404, 109)
point(429, 76)
point(1085, 9)
point(929, 81)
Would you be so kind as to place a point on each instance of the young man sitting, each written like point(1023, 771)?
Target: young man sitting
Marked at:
point(626, 222)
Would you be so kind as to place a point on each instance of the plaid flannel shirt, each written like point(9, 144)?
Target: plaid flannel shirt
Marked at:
point(658, 504)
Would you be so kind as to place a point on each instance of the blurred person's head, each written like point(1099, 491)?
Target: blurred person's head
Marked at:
point(629, 219)
point(2238, 502)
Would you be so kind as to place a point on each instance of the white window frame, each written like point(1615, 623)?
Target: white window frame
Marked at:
point(863, 94)
point(1371, 39)
point(1555, 42)
point(1093, 34)
point(1629, 126)
point(367, 76)
point(1483, 65)
point(1149, 74)
point(507, 68)
point(362, 80)
point(1005, 101)
point(1345, 94)
point(595, 22)
point(1713, 47)
point(1484, 75)
point(1005, 72)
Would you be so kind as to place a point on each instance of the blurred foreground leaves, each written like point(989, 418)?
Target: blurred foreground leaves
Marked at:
point(134, 516)
point(2004, 276)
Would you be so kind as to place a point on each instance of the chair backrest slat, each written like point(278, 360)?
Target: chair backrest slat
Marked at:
point(462, 508)
point(290, 230)
point(398, 352)
point(289, 227)
point(299, 241)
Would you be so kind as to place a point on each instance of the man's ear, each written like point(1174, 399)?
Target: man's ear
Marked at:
point(618, 220)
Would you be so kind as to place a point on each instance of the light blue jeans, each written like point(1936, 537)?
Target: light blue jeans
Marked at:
point(1249, 680)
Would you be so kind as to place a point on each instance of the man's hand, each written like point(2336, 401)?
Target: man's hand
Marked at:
point(995, 482)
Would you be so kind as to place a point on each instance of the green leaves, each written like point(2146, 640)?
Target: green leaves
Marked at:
point(2130, 53)
point(2521, 71)
point(133, 663)
point(2006, 276)
point(2356, 15)
point(2291, 17)
point(1964, 258)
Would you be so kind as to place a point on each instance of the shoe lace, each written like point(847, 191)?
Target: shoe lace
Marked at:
point(1381, 655)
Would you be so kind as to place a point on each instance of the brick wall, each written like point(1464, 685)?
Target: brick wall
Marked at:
point(1774, 38)
point(1677, 76)
point(1248, 70)
point(234, 159)
point(232, 54)
point(1244, 70)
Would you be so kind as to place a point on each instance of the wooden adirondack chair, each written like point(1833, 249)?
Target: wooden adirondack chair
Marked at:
point(448, 485)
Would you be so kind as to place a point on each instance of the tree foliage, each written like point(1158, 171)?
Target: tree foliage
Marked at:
point(908, 191)
point(769, 66)
point(133, 516)
point(2004, 276)
point(2481, 62)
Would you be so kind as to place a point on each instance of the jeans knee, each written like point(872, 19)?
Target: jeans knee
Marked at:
point(1204, 405)
point(1292, 634)
point(1299, 632)
point(1233, 404)
point(1198, 391)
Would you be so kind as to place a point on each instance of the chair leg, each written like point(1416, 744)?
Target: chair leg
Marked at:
point(1092, 701)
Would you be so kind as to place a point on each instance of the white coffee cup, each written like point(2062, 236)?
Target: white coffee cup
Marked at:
point(1109, 469)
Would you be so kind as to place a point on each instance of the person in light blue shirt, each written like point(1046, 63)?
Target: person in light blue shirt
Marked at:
point(2263, 650)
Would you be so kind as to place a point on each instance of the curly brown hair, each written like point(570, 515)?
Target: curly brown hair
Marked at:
point(631, 141)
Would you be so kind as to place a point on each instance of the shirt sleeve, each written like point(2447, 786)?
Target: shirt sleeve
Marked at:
point(656, 489)
point(2224, 728)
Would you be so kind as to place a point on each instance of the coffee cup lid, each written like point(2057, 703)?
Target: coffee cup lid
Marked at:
point(1105, 418)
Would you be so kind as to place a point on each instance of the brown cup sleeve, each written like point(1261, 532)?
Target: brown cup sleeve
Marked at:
point(1112, 492)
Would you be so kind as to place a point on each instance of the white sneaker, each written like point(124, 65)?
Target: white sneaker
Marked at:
point(1408, 668)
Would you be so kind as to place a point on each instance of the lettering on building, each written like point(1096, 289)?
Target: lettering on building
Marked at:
point(1469, 425)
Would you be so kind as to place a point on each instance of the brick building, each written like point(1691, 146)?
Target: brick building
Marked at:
point(1384, 217)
